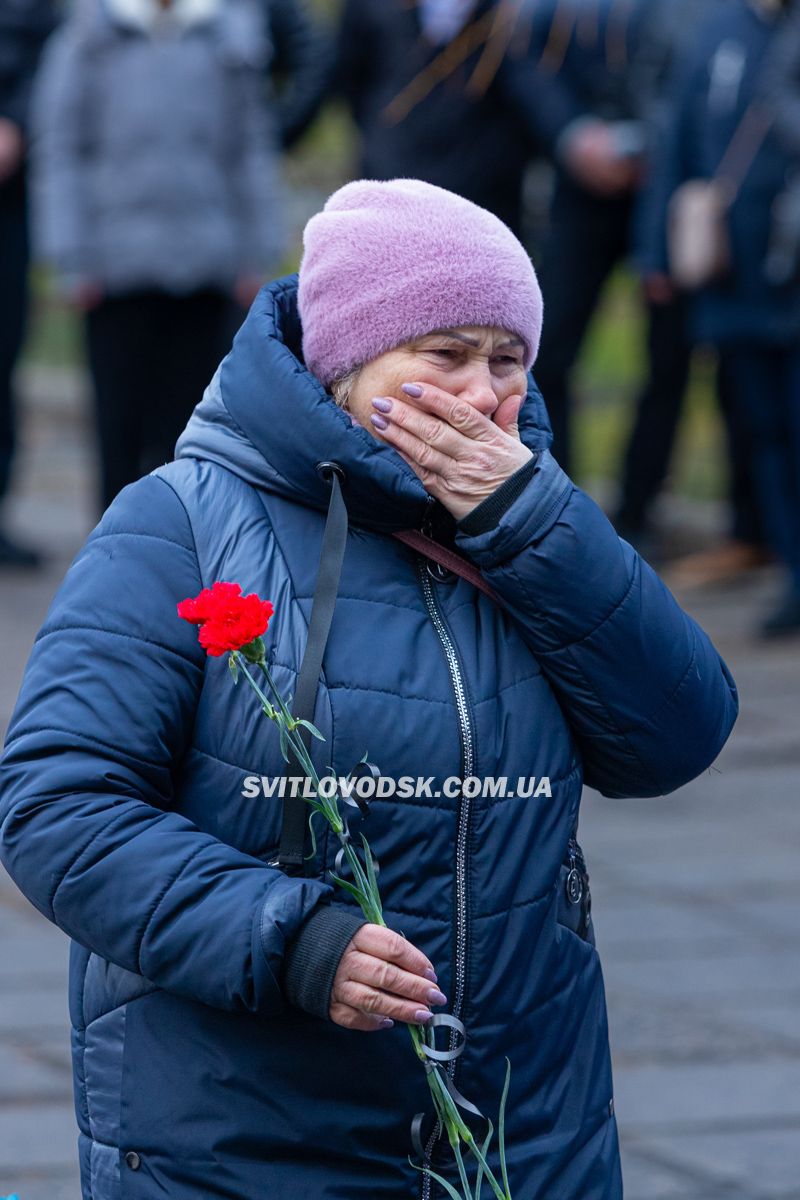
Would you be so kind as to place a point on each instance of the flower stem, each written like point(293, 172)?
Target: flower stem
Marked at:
point(368, 896)
point(283, 717)
point(281, 702)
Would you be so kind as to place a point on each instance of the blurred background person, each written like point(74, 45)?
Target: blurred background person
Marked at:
point(780, 93)
point(156, 199)
point(667, 33)
point(298, 67)
point(583, 47)
point(722, 130)
point(615, 62)
point(447, 91)
point(24, 28)
point(780, 82)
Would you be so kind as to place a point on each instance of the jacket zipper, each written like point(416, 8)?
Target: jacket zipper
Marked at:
point(467, 769)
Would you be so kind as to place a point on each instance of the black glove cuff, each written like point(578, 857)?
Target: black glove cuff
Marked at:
point(313, 956)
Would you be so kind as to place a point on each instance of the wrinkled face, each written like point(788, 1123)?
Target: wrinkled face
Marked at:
point(475, 363)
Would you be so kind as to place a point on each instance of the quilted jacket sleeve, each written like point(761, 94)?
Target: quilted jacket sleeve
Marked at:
point(60, 153)
point(648, 698)
point(106, 709)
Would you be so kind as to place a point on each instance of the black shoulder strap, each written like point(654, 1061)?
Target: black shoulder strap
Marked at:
point(295, 808)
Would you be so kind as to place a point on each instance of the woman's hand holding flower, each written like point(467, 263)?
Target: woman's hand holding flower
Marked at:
point(382, 978)
point(460, 455)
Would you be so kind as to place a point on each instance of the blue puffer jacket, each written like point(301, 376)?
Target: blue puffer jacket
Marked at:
point(124, 819)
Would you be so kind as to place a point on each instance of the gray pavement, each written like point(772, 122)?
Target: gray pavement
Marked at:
point(696, 901)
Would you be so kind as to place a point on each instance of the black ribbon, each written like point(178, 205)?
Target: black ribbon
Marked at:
point(434, 1056)
point(361, 804)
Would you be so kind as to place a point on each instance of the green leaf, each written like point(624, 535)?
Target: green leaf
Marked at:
point(359, 874)
point(284, 743)
point(448, 1187)
point(484, 1150)
point(233, 667)
point(313, 728)
point(501, 1127)
point(354, 891)
point(371, 877)
point(462, 1171)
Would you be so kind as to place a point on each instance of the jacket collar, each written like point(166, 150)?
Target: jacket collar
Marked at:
point(268, 419)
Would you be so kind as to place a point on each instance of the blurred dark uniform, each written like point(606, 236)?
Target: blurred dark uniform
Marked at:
point(24, 28)
point(666, 29)
point(302, 52)
point(594, 48)
point(467, 113)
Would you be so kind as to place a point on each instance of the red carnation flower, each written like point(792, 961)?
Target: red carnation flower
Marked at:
point(227, 619)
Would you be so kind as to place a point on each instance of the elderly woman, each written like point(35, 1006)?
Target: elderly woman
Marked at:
point(238, 1028)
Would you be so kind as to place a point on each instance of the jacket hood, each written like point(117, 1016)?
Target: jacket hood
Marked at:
point(266, 418)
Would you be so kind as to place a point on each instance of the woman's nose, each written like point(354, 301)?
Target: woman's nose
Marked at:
point(477, 390)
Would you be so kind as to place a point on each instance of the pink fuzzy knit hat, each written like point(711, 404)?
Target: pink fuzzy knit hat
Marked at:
point(387, 262)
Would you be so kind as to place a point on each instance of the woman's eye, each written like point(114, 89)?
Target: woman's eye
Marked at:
point(446, 352)
point(507, 360)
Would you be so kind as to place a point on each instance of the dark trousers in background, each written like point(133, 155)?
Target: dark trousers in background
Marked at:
point(587, 239)
point(765, 382)
point(657, 413)
point(13, 305)
point(151, 357)
point(747, 523)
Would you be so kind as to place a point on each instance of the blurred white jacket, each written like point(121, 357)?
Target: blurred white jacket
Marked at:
point(154, 159)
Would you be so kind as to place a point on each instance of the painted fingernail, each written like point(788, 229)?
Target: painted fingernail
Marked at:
point(411, 389)
point(382, 404)
point(422, 1015)
point(436, 997)
point(386, 1023)
point(378, 421)
point(429, 973)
